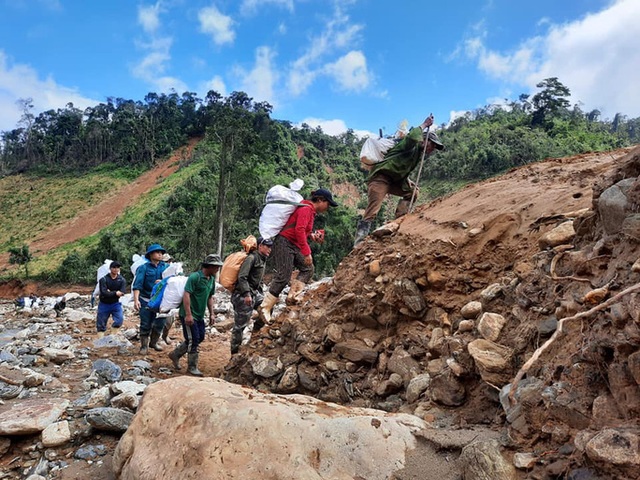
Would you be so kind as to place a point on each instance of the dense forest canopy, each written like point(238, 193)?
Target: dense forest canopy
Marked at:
point(243, 152)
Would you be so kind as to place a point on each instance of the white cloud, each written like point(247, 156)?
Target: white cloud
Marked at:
point(251, 6)
point(216, 24)
point(339, 33)
point(149, 17)
point(333, 127)
point(22, 81)
point(596, 57)
point(259, 82)
point(350, 71)
point(216, 84)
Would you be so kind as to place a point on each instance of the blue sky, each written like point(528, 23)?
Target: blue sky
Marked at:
point(360, 64)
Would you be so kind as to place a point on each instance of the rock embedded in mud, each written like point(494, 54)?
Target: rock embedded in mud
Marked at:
point(446, 389)
point(107, 371)
point(490, 293)
point(493, 360)
point(471, 310)
point(109, 419)
point(289, 381)
point(265, 367)
point(356, 352)
point(490, 325)
point(616, 446)
point(417, 386)
point(524, 461)
point(483, 461)
point(375, 268)
point(466, 326)
point(561, 235)
point(56, 434)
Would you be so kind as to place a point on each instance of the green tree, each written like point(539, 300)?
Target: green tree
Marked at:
point(550, 101)
point(20, 256)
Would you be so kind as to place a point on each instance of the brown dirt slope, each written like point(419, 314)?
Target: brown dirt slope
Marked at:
point(394, 308)
point(103, 214)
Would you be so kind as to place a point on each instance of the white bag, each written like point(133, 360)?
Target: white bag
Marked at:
point(281, 202)
point(173, 292)
point(137, 260)
point(173, 269)
point(373, 151)
point(102, 271)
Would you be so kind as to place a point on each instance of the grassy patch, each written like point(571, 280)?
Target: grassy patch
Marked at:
point(31, 205)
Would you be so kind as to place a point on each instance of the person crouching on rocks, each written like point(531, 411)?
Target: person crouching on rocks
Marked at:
point(247, 295)
point(112, 287)
point(198, 296)
point(147, 275)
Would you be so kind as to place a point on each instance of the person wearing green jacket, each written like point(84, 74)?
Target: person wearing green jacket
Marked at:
point(391, 176)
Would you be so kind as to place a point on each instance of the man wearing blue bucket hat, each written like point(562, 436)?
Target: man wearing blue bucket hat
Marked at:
point(147, 275)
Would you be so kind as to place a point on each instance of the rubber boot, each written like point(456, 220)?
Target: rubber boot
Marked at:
point(177, 353)
point(144, 345)
point(293, 297)
point(266, 307)
point(362, 231)
point(193, 365)
point(236, 340)
point(167, 329)
point(153, 343)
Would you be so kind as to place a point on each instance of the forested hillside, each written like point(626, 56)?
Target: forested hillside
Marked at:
point(243, 151)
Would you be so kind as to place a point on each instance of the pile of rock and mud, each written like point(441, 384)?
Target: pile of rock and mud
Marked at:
point(435, 315)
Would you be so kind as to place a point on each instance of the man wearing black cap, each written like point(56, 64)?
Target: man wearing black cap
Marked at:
point(291, 250)
point(112, 286)
point(147, 275)
point(247, 295)
point(392, 175)
point(198, 296)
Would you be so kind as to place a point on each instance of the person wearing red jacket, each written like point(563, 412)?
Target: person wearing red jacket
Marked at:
point(291, 249)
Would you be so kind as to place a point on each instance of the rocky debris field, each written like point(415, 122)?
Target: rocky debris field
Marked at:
point(511, 304)
point(66, 396)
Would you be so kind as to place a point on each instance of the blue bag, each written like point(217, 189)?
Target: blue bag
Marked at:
point(156, 295)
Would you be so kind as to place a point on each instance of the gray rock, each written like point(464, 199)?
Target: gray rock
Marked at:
point(107, 370)
point(471, 310)
point(90, 452)
point(446, 389)
point(8, 391)
point(8, 357)
point(356, 352)
point(142, 365)
point(483, 461)
point(110, 419)
point(265, 367)
point(547, 326)
point(612, 205)
point(417, 387)
point(289, 381)
point(615, 446)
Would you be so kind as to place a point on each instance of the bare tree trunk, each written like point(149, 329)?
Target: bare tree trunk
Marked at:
point(226, 154)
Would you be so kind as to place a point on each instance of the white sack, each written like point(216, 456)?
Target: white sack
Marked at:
point(173, 292)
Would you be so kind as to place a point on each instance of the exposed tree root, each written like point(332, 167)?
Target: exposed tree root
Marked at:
point(559, 332)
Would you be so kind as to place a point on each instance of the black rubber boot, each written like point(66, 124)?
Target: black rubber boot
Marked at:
point(144, 345)
point(193, 365)
point(153, 342)
point(177, 353)
point(362, 231)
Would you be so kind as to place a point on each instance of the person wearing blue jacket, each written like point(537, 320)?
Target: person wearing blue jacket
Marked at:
point(147, 275)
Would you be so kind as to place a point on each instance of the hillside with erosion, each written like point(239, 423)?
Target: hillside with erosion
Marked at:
point(436, 313)
point(492, 333)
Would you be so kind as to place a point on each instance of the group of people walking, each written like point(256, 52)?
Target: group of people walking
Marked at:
point(289, 250)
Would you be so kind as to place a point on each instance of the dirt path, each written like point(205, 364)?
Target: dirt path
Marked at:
point(99, 216)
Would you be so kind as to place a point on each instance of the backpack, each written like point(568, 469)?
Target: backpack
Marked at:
point(231, 265)
point(373, 151)
point(156, 295)
point(280, 203)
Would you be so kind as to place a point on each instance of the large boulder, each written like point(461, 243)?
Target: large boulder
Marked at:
point(214, 429)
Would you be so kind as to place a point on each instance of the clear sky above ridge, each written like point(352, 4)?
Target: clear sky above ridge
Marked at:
point(360, 64)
